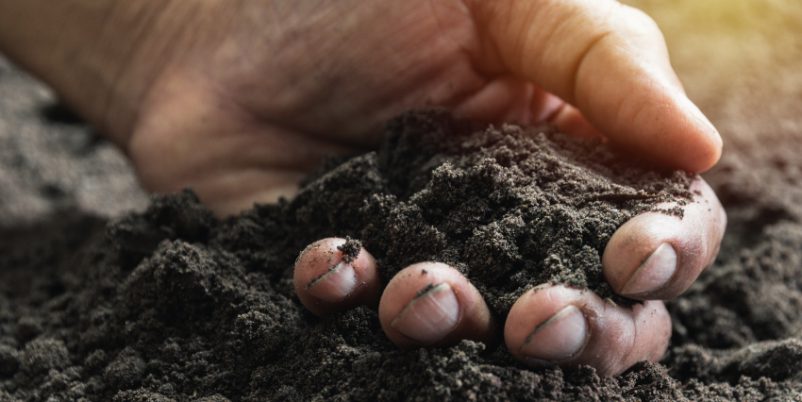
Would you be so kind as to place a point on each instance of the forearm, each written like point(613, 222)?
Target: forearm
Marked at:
point(84, 49)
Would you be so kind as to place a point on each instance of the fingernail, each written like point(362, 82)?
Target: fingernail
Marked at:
point(654, 273)
point(337, 283)
point(559, 338)
point(430, 316)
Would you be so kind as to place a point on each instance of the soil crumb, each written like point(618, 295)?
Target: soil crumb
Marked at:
point(350, 249)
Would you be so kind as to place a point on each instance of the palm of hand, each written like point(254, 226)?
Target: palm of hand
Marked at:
point(246, 124)
point(246, 110)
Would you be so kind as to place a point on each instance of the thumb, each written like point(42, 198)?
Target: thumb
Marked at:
point(611, 62)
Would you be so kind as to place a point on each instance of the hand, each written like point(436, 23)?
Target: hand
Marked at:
point(652, 257)
point(262, 94)
point(239, 101)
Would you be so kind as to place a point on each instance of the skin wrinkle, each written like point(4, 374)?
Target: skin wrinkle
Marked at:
point(411, 69)
point(491, 61)
point(542, 43)
point(433, 77)
point(523, 37)
point(285, 54)
point(291, 37)
point(464, 54)
point(487, 59)
point(164, 54)
point(627, 357)
point(620, 110)
point(327, 68)
point(608, 22)
point(230, 143)
point(451, 95)
point(472, 33)
point(105, 119)
point(476, 55)
point(623, 113)
point(582, 59)
point(373, 100)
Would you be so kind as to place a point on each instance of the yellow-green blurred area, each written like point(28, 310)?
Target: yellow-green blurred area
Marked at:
point(741, 60)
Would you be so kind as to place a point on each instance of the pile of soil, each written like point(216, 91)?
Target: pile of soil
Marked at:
point(509, 207)
point(170, 304)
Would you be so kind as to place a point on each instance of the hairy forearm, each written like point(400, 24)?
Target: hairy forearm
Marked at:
point(85, 49)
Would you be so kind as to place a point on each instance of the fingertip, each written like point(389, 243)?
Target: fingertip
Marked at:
point(655, 256)
point(558, 325)
point(546, 324)
point(716, 148)
point(659, 123)
point(705, 141)
point(333, 274)
point(433, 304)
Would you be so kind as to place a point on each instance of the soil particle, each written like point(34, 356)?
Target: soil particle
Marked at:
point(350, 249)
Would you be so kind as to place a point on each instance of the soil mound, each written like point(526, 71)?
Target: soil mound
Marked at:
point(510, 207)
point(171, 304)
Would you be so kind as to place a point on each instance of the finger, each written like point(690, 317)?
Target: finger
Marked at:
point(569, 120)
point(502, 99)
point(334, 274)
point(433, 304)
point(658, 256)
point(608, 60)
point(568, 327)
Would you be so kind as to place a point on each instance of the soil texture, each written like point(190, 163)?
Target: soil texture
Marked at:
point(170, 304)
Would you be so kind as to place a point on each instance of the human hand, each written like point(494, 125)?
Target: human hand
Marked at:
point(651, 258)
point(241, 101)
point(261, 93)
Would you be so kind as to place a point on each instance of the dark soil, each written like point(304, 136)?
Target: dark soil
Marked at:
point(511, 208)
point(171, 301)
point(170, 304)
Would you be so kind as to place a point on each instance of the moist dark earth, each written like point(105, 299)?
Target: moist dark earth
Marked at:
point(169, 304)
point(510, 207)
